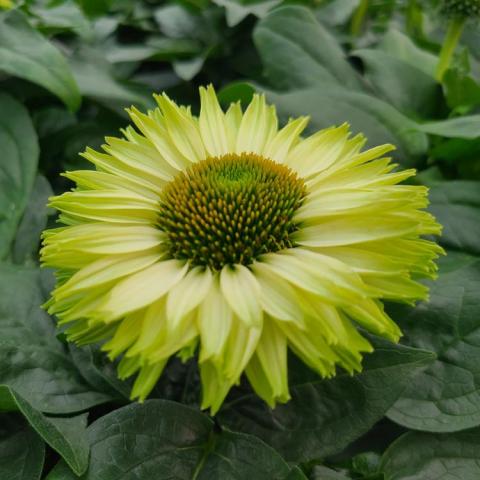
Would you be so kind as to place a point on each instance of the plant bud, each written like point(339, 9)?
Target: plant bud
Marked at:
point(461, 8)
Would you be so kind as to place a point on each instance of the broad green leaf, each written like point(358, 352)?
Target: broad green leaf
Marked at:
point(297, 52)
point(66, 435)
point(47, 379)
point(456, 205)
point(188, 69)
point(461, 90)
point(154, 49)
point(324, 473)
point(324, 416)
point(99, 371)
point(33, 222)
point(32, 361)
point(296, 474)
point(180, 23)
point(22, 451)
point(25, 53)
point(18, 166)
point(402, 47)
point(51, 119)
point(237, 10)
point(460, 127)
point(426, 456)
point(234, 92)
point(446, 396)
point(165, 440)
point(95, 7)
point(97, 80)
point(332, 105)
point(337, 12)
point(22, 321)
point(407, 88)
point(63, 17)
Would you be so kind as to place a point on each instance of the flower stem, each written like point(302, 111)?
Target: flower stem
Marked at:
point(455, 29)
point(358, 18)
point(414, 18)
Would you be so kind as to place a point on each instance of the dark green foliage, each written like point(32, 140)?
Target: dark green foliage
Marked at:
point(67, 71)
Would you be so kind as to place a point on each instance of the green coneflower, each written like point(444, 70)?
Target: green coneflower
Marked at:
point(458, 11)
point(227, 236)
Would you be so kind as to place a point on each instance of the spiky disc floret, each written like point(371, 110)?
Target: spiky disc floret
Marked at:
point(227, 236)
point(229, 210)
point(461, 8)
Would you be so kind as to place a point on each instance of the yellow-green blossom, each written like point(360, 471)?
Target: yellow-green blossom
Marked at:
point(231, 237)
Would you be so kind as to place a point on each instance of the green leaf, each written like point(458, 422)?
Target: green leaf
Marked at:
point(154, 49)
point(164, 440)
point(296, 474)
point(32, 361)
point(22, 321)
point(461, 90)
point(426, 456)
point(298, 52)
point(380, 122)
point(97, 80)
point(402, 47)
point(405, 87)
point(237, 10)
point(324, 416)
point(47, 379)
point(33, 222)
point(324, 473)
point(65, 435)
point(456, 205)
point(22, 451)
point(446, 396)
point(95, 7)
point(188, 69)
point(99, 371)
point(234, 92)
point(64, 17)
point(461, 127)
point(177, 22)
point(336, 12)
point(18, 166)
point(25, 53)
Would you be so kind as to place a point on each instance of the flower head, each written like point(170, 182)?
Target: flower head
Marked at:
point(461, 8)
point(226, 235)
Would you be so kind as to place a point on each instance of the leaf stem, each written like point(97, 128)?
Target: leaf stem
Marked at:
point(358, 18)
point(455, 29)
point(414, 19)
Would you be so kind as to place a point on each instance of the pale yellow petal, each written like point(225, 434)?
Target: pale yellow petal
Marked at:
point(214, 323)
point(106, 270)
point(115, 166)
point(212, 123)
point(95, 180)
point(271, 352)
point(188, 294)
point(141, 289)
point(279, 147)
point(182, 128)
point(318, 152)
point(278, 297)
point(140, 157)
point(258, 126)
point(233, 119)
point(348, 230)
point(102, 238)
point(242, 292)
point(152, 126)
point(241, 345)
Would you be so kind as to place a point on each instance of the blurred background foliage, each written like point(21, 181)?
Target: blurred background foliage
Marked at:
point(69, 68)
